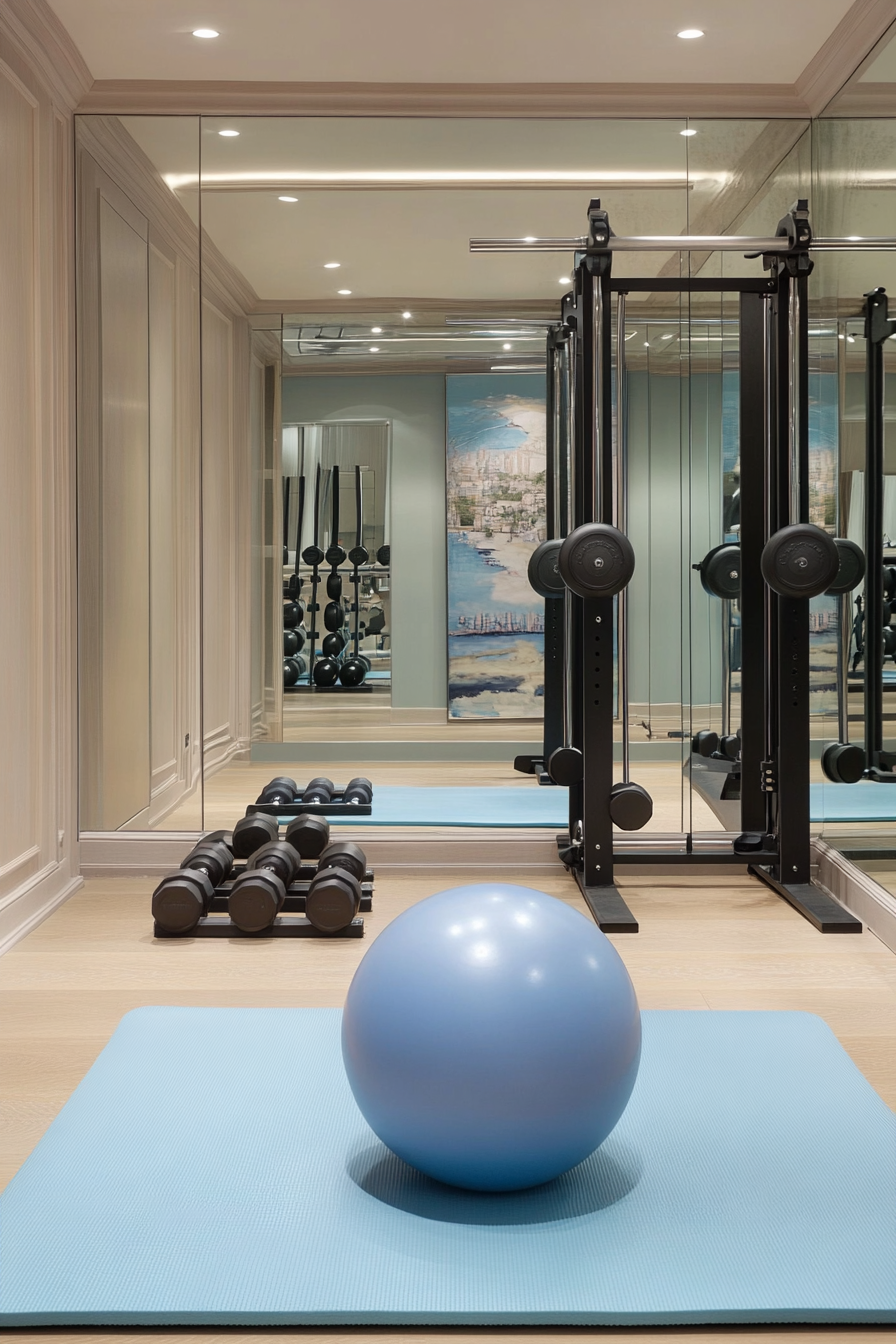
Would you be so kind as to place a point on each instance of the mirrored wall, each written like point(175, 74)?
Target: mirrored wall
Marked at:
point(289, 357)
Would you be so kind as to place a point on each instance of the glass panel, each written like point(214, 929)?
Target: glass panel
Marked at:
point(138, 472)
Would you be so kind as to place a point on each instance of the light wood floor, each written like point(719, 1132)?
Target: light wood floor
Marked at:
point(703, 945)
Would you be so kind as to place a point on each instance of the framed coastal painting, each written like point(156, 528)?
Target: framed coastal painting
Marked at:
point(496, 518)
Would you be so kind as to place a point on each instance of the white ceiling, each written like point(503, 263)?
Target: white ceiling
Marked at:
point(412, 243)
point(464, 41)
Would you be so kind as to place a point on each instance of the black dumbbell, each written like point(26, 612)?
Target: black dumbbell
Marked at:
point(705, 743)
point(280, 790)
point(292, 670)
point(334, 894)
point(890, 582)
point(889, 641)
point(225, 838)
point(352, 672)
point(257, 895)
point(292, 615)
point(358, 790)
point(318, 790)
point(334, 616)
point(729, 746)
point(181, 899)
point(326, 672)
point(308, 834)
point(384, 555)
point(334, 585)
point(293, 641)
point(332, 644)
point(250, 833)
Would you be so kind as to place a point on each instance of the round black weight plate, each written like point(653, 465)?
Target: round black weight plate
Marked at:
point(334, 585)
point(851, 570)
point(332, 644)
point(334, 616)
point(889, 641)
point(358, 790)
point(565, 766)
point(705, 743)
point(334, 555)
point(291, 615)
point(326, 671)
point(358, 555)
point(631, 806)
point(800, 561)
point(843, 762)
point(318, 790)
point(596, 560)
point(250, 833)
point(312, 555)
point(281, 789)
point(352, 672)
point(290, 643)
point(384, 555)
point(544, 571)
point(729, 746)
point(720, 572)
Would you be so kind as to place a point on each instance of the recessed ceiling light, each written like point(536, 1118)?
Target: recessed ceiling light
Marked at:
point(288, 198)
point(405, 315)
point(228, 134)
point(344, 291)
point(332, 265)
point(564, 280)
point(689, 131)
point(374, 349)
point(507, 346)
point(376, 330)
point(689, 33)
point(206, 32)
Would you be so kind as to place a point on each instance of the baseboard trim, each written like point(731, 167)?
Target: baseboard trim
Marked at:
point(857, 891)
point(23, 911)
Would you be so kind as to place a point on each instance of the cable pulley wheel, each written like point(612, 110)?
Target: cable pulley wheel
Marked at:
point(544, 570)
point(720, 571)
point(800, 561)
point(851, 570)
point(596, 560)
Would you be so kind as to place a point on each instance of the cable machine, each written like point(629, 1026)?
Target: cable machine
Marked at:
point(785, 561)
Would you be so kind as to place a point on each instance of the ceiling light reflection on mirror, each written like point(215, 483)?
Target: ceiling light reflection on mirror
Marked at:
point(344, 291)
point(291, 199)
point(332, 265)
point(206, 32)
point(406, 316)
point(375, 331)
point(689, 131)
point(690, 33)
point(228, 135)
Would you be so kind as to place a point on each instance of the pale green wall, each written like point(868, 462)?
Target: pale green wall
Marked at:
point(415, 404)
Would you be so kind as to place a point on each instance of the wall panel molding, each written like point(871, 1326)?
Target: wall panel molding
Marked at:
point(48, 50)
point(845, 51)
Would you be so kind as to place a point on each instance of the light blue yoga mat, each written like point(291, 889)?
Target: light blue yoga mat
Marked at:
point(212, 1168)
point(541, 806)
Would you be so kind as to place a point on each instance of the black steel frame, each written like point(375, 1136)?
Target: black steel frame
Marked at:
point(775, 843)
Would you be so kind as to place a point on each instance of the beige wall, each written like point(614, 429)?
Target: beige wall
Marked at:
point(40, 83)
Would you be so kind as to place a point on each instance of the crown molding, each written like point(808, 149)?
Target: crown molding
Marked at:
point(864, 100)
point(847, 48)
point(33, 28)
point(537, 101)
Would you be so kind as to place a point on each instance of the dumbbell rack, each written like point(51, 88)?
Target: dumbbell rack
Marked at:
point(290, 923)
point(334, 808)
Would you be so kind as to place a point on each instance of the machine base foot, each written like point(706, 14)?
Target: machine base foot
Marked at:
point(609, 910)
point(821, 910)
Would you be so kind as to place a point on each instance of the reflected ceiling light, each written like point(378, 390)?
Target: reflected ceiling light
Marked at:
point(630, 335)
point(332, 265)
point(405, 315)
point(668, 336)
point(841, 338)
point(376, 330)
point(206, 32)
point(506, 346)
point(564, 280)
point(647, 343)
point(288, 198)
point(689, 131)
point(343, 291)
point(374, 349)
point(452, 177)
point(851, 339)
point(530, 239)
point(689, 33)
point(228, 134)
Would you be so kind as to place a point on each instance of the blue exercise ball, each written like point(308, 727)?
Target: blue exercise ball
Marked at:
point(491, 1037)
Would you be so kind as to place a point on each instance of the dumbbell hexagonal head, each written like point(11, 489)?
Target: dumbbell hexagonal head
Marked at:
point(250, 833)
point(333, 900)
point(308, 834)
point(180, 900)
point(344, 854)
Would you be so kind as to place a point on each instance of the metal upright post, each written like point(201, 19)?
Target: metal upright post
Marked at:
point(554, 679)
point(878, 328)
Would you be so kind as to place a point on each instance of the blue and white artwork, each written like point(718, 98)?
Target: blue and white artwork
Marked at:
point(496, 518)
